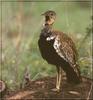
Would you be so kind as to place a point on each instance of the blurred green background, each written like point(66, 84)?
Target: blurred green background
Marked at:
point(21, 23)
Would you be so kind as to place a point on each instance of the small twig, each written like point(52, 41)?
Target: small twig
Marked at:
point(90, 92)
point(36, 75)
point(26, 77)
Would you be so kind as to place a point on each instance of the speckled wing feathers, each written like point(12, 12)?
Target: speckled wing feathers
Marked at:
point(65, 48)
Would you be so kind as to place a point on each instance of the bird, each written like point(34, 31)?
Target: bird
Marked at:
point(58, 49)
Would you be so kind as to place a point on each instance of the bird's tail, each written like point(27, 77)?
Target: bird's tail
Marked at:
point(73, 74)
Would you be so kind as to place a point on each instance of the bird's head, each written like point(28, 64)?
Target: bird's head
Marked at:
point(49, 17)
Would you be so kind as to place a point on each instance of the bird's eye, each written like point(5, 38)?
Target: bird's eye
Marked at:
point(51, 14)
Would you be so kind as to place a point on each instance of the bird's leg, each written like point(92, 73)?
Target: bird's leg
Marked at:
point(59, 76)
point(58, 80)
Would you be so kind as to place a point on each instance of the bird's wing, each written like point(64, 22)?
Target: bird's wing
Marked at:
point(65, 48)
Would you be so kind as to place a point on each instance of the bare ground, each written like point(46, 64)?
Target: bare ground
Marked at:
point(43, 89)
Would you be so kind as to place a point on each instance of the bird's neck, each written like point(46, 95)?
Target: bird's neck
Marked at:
point(48, 27)
point(46, 31)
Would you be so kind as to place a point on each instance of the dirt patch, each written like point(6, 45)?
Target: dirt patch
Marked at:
point(43, 89)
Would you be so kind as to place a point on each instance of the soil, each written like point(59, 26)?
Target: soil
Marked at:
point(44, 89)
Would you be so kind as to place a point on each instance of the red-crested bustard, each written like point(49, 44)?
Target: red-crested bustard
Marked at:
point(58, 49)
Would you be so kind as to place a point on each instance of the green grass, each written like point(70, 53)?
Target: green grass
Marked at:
point(71, 19)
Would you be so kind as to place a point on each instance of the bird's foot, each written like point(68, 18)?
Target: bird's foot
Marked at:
point(55, 89)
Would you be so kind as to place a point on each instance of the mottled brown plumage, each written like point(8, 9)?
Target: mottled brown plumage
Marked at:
point(59, 49)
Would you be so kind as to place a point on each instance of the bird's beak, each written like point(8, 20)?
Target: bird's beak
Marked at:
point(43, 14)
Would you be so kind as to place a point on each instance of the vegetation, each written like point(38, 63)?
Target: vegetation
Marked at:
point(21, 25)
